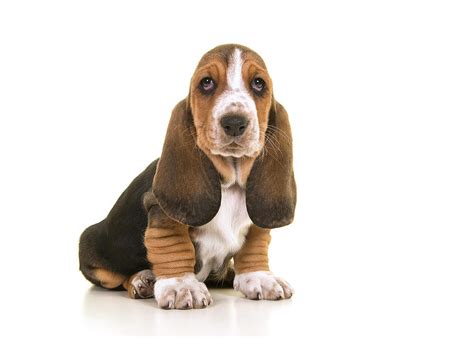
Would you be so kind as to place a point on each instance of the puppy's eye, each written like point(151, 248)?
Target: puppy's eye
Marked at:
point(258, 85)
point(207, 85)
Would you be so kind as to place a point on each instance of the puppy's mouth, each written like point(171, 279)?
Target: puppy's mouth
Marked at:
point(234, 146)
point(233, 149)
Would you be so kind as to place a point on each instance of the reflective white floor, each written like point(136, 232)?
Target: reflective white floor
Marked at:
point(329, 306)
point(114, 312)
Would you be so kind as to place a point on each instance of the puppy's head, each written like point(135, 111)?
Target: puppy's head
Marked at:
point(230, 98)
point(230, 112)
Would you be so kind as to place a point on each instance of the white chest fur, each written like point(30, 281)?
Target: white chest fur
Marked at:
point(225, 234)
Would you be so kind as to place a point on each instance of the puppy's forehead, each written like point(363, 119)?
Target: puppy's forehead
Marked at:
point(224, 53)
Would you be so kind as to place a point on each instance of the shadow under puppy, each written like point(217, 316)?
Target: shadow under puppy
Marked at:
point(224, 179)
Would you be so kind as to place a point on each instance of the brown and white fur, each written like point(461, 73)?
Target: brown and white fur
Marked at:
point(224, 179)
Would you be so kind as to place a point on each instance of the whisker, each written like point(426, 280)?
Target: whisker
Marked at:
point(273, 143)
point(277, 131)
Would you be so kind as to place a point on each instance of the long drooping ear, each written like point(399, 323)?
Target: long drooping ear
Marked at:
point(271, 187)
point(186, 184)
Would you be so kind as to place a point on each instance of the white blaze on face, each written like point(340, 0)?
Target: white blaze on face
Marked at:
point(235, 80)
point(236, 99)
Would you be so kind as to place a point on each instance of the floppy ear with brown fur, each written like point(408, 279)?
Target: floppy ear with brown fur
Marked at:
point(271, 187)
point(186, 184)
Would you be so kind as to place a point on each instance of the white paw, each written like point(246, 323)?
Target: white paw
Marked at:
point(182, 293)
point(262, 285)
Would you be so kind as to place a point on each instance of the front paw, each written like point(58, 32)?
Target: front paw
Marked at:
point(262, 285)
point(182, 293)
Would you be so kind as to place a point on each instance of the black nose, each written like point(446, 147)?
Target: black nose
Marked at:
point(234, 125)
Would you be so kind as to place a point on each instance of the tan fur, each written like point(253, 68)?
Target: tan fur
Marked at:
point(245, 165)
point(108, 279)
point(170, 250)
point(127, 283)
point(253, 256)
point(227, 168)
point(224, 166)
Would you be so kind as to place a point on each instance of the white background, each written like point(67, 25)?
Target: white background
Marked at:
point(380, 97)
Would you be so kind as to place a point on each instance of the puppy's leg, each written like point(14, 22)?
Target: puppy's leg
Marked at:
point(253, 277)
point(172, 256)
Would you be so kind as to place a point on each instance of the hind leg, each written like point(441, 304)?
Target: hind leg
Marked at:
point(108, 273)
point(140, 285)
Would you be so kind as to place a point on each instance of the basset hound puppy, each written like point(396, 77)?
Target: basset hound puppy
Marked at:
point(224, 179)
